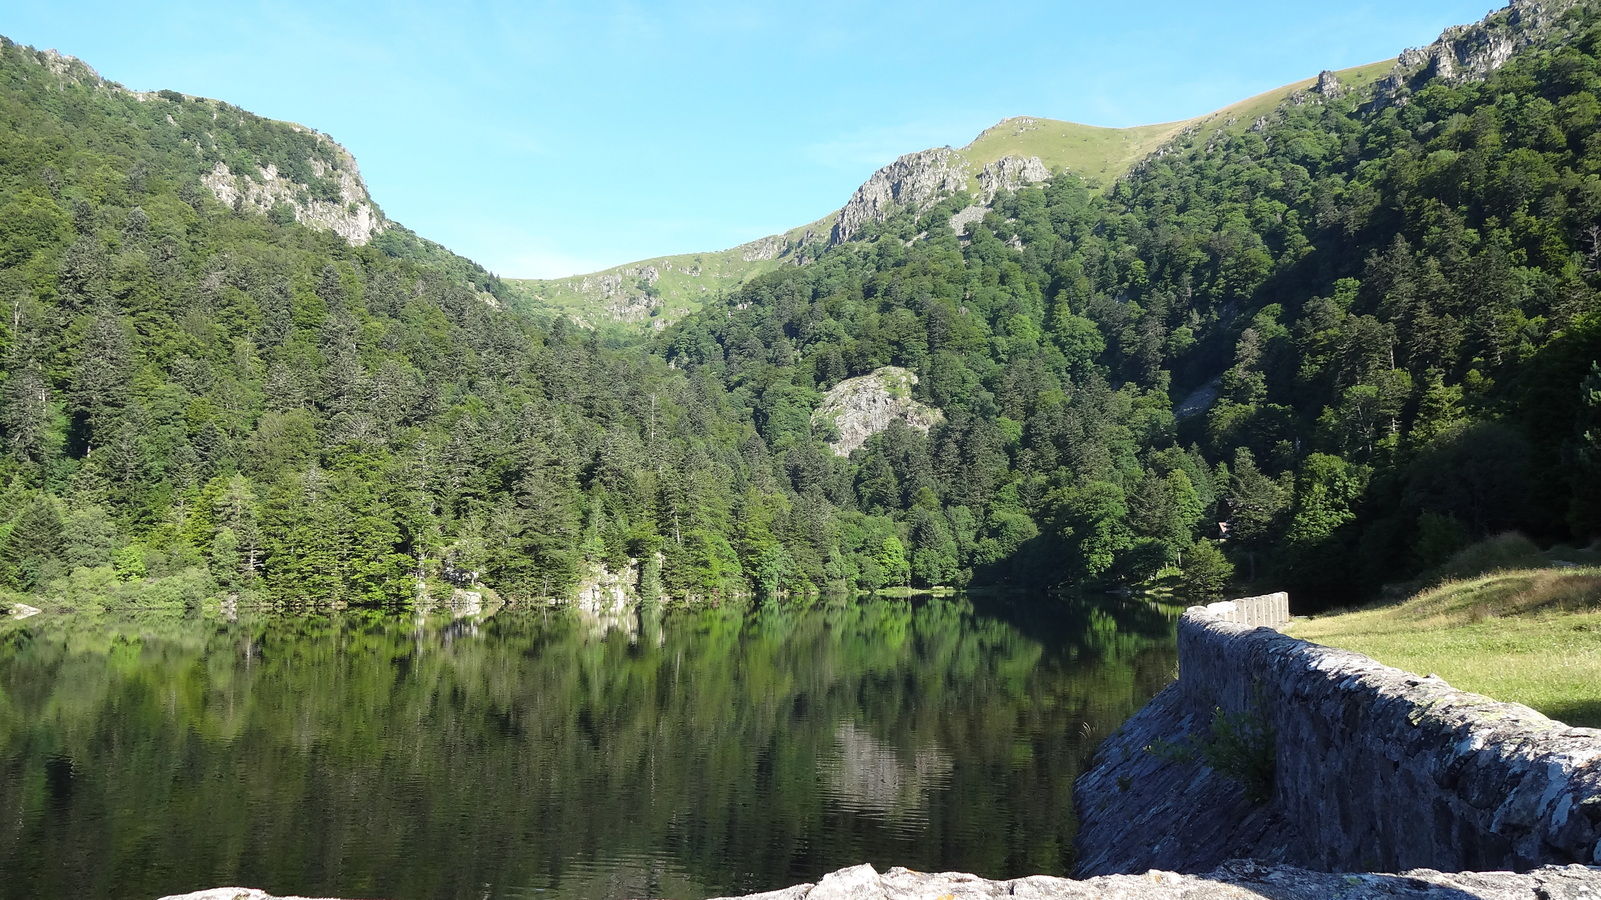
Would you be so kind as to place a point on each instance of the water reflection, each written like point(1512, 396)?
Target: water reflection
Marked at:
point(537, 753)
point(872, 777)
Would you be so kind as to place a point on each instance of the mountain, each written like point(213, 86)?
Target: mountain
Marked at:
point(1338, 340)
point(654, 293)
point(1321, 342)
point(223, 370)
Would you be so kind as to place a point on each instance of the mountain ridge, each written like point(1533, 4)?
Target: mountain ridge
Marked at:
point(654, 292)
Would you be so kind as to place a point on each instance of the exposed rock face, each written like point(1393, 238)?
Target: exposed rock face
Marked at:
point(1241, 880)
point(863, 406)
point(1010, 173)
point(1370, 767)
point(351, 215)
point(1328, 85)
point(1005, 174)
point(602, 592)
point(916, 180)
point(1470, 52)
point(348, 212)
point(628, 293)
point(769, 247)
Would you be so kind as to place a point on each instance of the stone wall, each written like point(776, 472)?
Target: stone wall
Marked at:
point(1374, 769)
point(1268, 610)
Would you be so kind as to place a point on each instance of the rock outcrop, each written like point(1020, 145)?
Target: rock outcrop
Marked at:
point(919, 180)
point(1008, 173)
point(915, 180)
point(349, 212)
point(1241, 880)
point(331, 196)
point(1470, 52)
point(21, 611)
point(627, 293)
point(602, 592)
point(1328, 85)
point(861, 407)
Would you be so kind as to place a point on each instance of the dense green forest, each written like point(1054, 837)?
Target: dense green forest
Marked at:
point(1394, 304)
point(196, 399)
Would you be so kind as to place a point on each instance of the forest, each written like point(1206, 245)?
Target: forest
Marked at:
point(1320, 352)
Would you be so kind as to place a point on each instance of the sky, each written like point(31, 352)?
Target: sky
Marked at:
point(552, 138)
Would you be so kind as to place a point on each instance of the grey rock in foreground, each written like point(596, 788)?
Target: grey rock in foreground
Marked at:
point(1239, 879)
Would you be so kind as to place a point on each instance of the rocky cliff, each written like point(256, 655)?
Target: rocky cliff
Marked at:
point(919, 180)
point(915, 180)
point(344, 209)
point(19, 610)
point(858, 408)
point(247, 161)
point(1468, 52)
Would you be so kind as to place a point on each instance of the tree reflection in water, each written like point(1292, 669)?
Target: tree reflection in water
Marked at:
point(673, 754)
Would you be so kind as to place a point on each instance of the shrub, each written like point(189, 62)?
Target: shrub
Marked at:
point(1238, 746)
point(1493, 554)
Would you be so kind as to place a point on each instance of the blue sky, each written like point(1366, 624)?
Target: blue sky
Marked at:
point(546, 139)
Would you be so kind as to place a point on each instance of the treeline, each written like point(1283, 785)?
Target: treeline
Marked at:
point(1338, 344)
point(195, 399)
point(1319, 352)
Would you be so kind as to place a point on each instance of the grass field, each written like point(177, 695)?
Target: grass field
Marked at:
point(1527, 635)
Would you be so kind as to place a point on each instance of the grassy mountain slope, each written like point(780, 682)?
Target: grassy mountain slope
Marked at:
point(653, 293)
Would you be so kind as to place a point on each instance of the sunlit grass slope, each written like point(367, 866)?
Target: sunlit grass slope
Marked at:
point(1525, 635)
point(687, 281)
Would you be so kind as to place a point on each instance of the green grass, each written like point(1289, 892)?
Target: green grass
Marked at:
point(1102, 155)
point(1530, 636)
point(1099, 155)
point(686, 282)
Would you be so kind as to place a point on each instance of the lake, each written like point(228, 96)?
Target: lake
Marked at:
point(542, 753)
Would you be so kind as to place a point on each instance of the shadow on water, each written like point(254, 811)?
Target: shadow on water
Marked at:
point(683, 754)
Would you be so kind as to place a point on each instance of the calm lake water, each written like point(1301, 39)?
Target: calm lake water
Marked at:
point(539, 754)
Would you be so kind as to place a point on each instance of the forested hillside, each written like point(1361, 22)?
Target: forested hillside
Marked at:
point(1320, 352)
point(198, 398)
point(1345, 341)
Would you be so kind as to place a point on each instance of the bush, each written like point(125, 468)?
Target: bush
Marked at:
point(1494, 554)
point(1206, 572)
point(1238, 746)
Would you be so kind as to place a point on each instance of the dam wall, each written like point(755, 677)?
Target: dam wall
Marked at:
point(1278, 749)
